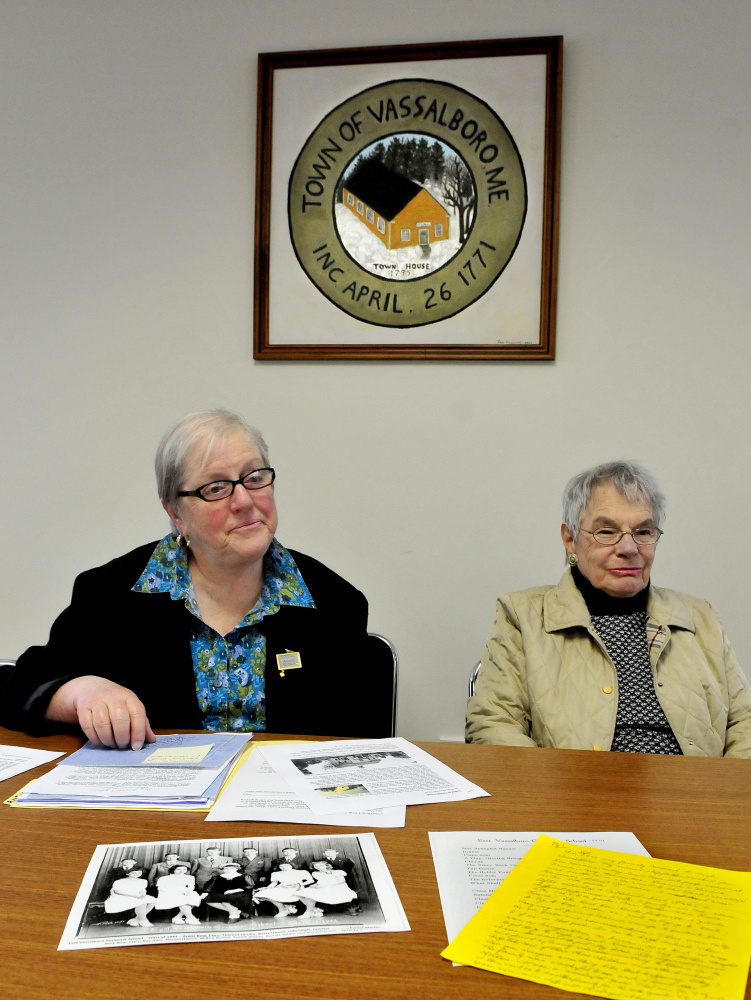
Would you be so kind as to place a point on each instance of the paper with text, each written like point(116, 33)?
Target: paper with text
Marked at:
point(256, 792)
point(132, 782)
point(367, 774)
point(470, 865)
point(16, 760)
point(614, 925)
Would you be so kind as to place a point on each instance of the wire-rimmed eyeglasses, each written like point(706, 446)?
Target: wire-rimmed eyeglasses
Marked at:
point(611, 536)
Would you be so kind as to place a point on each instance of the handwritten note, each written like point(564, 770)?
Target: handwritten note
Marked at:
point(178, 755)
point(615, 925)
point(470, 865)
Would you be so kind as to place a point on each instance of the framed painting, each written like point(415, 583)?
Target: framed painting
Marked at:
point(407, 202)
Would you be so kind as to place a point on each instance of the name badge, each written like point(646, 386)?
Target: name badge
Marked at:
point(288, 661)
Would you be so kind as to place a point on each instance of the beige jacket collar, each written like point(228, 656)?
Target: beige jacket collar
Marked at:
point(564, 607)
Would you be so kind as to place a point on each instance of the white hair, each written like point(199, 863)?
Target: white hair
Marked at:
point(629, 478)
point(206, 427)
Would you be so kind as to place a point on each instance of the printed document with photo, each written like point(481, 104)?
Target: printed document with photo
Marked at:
point(362, 774)
point(256, 792)
point(245, 888)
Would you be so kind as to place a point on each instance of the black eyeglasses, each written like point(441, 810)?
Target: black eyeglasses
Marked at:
point(220, 489)
point(611, 536)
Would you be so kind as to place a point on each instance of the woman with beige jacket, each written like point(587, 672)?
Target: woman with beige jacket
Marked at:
point(604, 660)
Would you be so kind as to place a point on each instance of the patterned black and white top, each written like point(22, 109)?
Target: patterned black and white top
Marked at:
point(641, 726)
point(640, 723)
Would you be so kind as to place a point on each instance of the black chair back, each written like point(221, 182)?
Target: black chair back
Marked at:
point(384, 664)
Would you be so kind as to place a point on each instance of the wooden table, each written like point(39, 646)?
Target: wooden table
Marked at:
point(683, 808)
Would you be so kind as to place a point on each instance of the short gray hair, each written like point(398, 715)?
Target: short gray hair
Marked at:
point(629, 478)
point(207, 427)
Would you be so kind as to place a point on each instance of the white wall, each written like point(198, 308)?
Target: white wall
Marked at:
point(126, 261)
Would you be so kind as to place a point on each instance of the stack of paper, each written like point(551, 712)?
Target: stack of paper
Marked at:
point(614, 924)
point(339, 783)
point(176, 772)
point(470, 865)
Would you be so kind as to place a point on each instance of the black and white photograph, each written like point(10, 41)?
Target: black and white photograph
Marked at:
point(169, 892)
point(377, 758)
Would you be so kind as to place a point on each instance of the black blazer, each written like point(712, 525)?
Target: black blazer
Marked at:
point(142, 641)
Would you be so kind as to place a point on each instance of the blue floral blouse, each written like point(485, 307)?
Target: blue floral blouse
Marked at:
point(229, 669)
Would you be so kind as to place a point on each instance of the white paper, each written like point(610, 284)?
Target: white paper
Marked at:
point(125, 782)
point(257, 792)
point(376, 905)
point(470, 865)
point(366, 774)
point(16, 760)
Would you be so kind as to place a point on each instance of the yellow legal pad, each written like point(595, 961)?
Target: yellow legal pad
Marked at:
point(614, 925)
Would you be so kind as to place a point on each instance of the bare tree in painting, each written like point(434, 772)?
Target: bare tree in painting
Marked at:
point(459, 193)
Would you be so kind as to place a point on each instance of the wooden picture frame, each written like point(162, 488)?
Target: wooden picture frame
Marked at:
point(407, 202)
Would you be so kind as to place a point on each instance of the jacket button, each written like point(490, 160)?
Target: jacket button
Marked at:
point(607, 689)
point(597, 747)
point(659, 684)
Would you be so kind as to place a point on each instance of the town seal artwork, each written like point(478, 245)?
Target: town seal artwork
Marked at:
point(407, 202)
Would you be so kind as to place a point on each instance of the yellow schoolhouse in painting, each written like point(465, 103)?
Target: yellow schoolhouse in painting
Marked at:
point(398, 210)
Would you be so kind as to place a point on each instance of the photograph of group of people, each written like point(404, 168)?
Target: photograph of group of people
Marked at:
point(375, 758)
point(260, 886)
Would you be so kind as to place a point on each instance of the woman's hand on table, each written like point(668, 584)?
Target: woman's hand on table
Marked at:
point(109, 714)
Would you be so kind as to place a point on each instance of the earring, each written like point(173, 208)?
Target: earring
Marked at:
point(183, 541)
point(573, 559)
